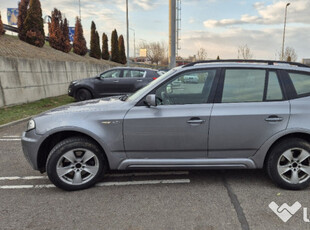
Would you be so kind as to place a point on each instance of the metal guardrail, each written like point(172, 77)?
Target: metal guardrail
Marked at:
point(10, 28)
point(15, 30)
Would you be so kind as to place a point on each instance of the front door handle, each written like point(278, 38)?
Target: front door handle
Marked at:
point(196, 121)
point(274, 118)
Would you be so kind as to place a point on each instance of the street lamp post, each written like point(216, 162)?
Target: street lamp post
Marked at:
point(80, 8)
point(134, 42)
point(127, 22)
point(282, 54)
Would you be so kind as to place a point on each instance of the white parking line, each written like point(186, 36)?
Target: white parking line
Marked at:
point(147, 182)
point(23, 178)
point(107, 175)
point(16, 139)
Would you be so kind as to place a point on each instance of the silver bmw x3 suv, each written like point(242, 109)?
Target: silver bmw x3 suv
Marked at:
point(239, 115)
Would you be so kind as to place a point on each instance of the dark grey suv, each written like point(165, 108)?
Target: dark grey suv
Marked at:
point(238, 115)
point(116, 81)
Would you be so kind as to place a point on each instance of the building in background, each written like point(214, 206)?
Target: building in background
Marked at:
point(306, 61)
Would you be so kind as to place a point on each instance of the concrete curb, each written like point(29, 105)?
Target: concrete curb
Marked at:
point(14, 122)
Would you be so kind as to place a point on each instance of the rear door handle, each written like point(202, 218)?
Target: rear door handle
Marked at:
point(274, 118)
point(139, 80)
point(115, 81)
point(195, 121)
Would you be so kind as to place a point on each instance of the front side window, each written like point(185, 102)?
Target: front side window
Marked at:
point(251, 85)
point(301, 83)
point(111, 74)
point(192, 87)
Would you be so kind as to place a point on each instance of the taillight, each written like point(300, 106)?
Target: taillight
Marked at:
point(154, 78)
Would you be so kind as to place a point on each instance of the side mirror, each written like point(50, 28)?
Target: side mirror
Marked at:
point(151, 100)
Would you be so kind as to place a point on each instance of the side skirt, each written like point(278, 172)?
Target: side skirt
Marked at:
point(236, 163)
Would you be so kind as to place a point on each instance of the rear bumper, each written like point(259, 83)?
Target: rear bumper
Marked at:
point(30, 145)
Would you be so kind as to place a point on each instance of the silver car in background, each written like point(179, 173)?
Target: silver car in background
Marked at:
point(239, 115)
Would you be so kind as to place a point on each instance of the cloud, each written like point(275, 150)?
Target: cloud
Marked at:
point(273, 14)
point(264, 44)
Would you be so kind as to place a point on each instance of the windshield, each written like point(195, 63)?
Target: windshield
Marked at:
point(142, 91)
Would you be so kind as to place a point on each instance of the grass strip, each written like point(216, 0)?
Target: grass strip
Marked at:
point(17, 112)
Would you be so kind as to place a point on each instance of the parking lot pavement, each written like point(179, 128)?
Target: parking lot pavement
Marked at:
point(141, 200)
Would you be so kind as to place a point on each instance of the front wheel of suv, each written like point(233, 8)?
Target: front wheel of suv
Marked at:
point(288, 164)
point(75, 163)
point(83, 94)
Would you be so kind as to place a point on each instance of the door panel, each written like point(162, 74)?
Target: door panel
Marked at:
point(109, 83)
point(251, 109)
point(164, 132)
point(239, 129)
point(175, 129)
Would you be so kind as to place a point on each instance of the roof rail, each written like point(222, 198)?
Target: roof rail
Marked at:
point(269, 62)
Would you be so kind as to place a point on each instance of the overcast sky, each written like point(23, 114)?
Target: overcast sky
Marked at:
point(218, 26)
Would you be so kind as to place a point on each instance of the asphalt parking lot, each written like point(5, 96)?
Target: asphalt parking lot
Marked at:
point(142, 200)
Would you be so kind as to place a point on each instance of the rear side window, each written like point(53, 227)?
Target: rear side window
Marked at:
point(250, 85)
point(134, 73)
point(301, 83)
point(273, 88)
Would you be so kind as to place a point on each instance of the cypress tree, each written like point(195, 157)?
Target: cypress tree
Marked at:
point(33, 25)
point(114, 46)
point(92, 52)
point(22, 13)
point(97, 46)
point(218, 58)
point(55, 30)
point(2, 31)
point(79, 42)
point(65, 37)
point(121, 48)
point(105, 47)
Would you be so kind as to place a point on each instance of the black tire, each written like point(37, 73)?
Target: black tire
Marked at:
point(293, 146)
point(75, 148)
point(83, 94)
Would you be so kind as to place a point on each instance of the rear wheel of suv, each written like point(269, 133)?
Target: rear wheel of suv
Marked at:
point(75, 163)
point(83, 94)
point(288, 164)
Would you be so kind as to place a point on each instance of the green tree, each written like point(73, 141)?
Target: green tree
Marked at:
point(33, 25)
point(22, 13)
point(95, 51)
point(114, 46)
point(98, 50)
point(121, 48)
point(105, 47)
point(2, 31)
point(66, 46)
point(79, 42)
